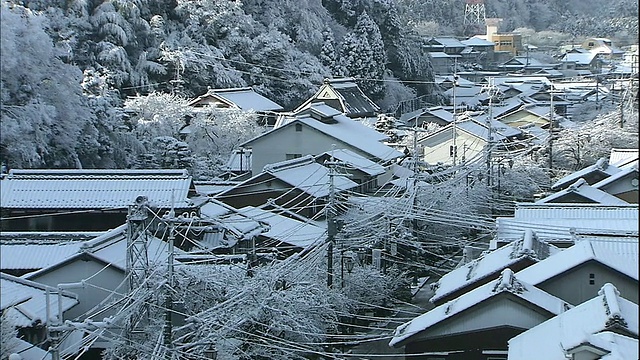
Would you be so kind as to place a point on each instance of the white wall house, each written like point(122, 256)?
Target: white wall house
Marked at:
point(314, 131)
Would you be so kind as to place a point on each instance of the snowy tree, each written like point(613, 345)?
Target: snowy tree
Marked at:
point(159, 120)
point(328, 54)
point(43, 109)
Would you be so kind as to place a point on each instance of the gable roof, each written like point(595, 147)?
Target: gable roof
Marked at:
point(621, 256)
point(33, 256)
point(583, 190)
point(302, 173)
point(623, 158)
point(476, 41)
point(108, 189)
point(608, 312)
point(507, 283)
point(110, 249)
point(286, 230)
point(585, 58)
point(344, 95)
point(242, 98)
point(25, 301)
point(602, 168)
point(349, 158)
point(448, 41)
point(625, 172)
point(326, 120)
point(435, 111)
point(529, 247)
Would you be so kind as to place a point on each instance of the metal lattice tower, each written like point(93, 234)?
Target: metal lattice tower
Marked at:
point(474, 12)
point(137, 257)
point(137, 266)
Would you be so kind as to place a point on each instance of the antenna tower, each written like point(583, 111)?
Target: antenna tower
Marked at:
point(474, 14)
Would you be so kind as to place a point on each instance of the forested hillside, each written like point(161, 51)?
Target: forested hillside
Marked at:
point(69, 66)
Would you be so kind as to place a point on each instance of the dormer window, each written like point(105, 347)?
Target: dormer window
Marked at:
point(298, 127)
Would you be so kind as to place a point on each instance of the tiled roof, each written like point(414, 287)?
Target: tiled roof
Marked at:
point(607, 313)
point(25, 301)
point(349, 158)
point(286, 230)
point(623, 257)
point(493, 262)
point(35, 256)
point(507, 283)
point(243, 98)
point(558, 221)
point(601, 166)
point(93, 189)
point(581, 189)
point(308, 176)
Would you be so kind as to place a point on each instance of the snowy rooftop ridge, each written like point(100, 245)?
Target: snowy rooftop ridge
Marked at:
point(112, 188)
point(528, 247)
point(506, 283)
point(585, 323)
point(610, 296)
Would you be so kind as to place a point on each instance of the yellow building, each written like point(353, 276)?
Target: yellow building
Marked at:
point(509, 42)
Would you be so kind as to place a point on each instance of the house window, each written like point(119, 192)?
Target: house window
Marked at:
point(591, 44)
point(293, 156)
point(592, 279)
point(298, 127)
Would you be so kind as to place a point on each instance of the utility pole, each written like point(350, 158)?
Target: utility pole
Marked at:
point(454, 149)
point(622, 93)
point(492, 91)
point(551, 136)
point(331, 224)
point(168, 298)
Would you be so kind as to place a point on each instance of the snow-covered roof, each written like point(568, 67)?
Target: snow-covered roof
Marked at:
point(332, 123)
point(92, 189)
point(604, 183)
point(354, 160)
point(579, 58)
point(521, 80)
point(538, 135)
point(623, 157)
point(210, 188)
point(25, 301)
point(352, 101)
point(26, 350)
point(243, 98)
point(23, 256)
point(110, 248)
point(307, 175)
point(448, 41)
point(621, 256)
point(497, 127)
point(438, 54)
point(608, 312)
point(507, 283)
point(476, 41)
point(601, 166)
point(285, 229)
point(581, 189)
point(353, 133)
point(558, 221)
point(529, 247)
